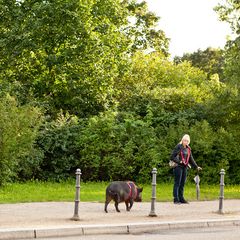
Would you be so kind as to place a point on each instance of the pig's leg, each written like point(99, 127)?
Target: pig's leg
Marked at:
point(117, 200)
point(108, 200)
point(127, 207)
point(131, 204)
point(116, 206)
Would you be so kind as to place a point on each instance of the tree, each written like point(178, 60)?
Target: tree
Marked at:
point(143, 31)
point(155, 81)
point(229, 11)
point(66, 54)
point(60, 53)
point(210, 61)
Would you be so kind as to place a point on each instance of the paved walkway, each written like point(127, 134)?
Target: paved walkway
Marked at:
point(35, 220)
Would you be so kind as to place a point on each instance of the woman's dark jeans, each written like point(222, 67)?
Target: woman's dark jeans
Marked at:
point(180, 176)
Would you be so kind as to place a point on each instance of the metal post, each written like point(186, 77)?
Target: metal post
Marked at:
point(77, 196)
point(197, 181)
point(221, 197)
point(154, 184)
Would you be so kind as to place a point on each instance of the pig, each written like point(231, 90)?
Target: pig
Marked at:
point(123, 191)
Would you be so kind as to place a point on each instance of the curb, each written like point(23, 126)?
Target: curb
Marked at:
point(130, 228)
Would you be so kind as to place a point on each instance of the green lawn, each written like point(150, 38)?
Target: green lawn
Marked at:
point(95, 191)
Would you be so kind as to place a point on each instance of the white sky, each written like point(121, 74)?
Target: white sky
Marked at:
point(190, 24)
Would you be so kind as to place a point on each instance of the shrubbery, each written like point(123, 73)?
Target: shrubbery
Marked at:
point(18, 130)
point(156, 103)
point(120, 146)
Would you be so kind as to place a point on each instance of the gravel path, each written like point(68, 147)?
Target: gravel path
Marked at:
point(47, 214)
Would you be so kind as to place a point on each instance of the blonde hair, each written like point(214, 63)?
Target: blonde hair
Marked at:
point(185, 137)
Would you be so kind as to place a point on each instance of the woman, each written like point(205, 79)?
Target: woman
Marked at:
point(182, 156)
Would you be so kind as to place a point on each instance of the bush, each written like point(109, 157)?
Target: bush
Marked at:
point(124, 146)
point(57, 142)
point(18, 130)
point(118, 146)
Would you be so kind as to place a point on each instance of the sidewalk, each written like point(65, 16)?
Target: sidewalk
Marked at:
point(52, 219)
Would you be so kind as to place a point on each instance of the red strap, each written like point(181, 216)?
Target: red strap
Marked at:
point(131, 192)
point(185, 161)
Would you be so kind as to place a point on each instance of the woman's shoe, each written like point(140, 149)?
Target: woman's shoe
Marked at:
point(176, 202)
point(184, 201)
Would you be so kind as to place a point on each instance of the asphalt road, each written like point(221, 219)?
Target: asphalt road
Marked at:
point(223, 233)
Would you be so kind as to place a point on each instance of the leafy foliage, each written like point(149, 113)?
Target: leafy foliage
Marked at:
point(114, 105)
point(57, 141)
point(67, 54)
point(18, 130)
point(210, 61)
point(118, 146)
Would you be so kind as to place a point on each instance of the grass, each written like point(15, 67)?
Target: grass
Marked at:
point(95, 191)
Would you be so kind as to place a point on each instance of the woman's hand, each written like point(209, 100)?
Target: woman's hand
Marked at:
point(199, 168)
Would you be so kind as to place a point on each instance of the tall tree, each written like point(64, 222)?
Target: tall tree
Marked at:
point(143, 30)
point(209, 60)
point(229, 11)
point(66, 54)
point(61, 52)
